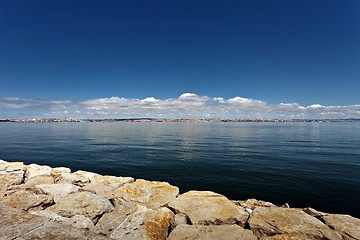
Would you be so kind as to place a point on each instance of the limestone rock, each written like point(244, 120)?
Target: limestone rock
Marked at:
point(8, 179)
point(146, 224)
point(347, 226)
point(253, 203)
point(34, 170)
point(79, 178)
point(82, 203)
point(25, 200)
point(56, 172)
point(288, 222)
point(42, 179)
point(14, 222)
point(11, 166)
point(204, 207)
point(78, 221)
point(146, 193)
point(106, 185)
point(58, 191)
point(313, 212)
point(200, 232)
point(180, 218)
point(109, 221)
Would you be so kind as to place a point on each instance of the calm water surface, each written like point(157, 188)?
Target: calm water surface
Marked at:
point(304, 164)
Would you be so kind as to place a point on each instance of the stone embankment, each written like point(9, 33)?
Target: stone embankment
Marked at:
point(40, 202)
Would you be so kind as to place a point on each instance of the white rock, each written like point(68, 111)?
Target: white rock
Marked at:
point(34, 170)
point(58, 191)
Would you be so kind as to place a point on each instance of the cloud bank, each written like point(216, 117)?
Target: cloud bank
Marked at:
point(187, 105)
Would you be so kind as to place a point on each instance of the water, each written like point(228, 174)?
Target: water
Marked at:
point(304, 164)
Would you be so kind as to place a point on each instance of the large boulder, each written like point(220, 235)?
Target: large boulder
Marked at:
point(106, 185)
point(145, 224)
point(201, 232)
point(347, 226)
point(8, 179)
point(34, 170)
point(79, 178)
point(57, 191)
point(146, 193)
point(288, 223)
point(82, 203)
point(204, 207)
point(24, 199)
point(11, 166)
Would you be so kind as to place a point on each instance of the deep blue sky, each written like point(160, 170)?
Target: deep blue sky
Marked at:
point(276, 51)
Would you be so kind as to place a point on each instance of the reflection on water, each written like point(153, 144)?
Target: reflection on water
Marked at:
point(305, 164)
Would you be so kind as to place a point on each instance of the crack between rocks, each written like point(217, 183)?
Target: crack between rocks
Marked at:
point(22, 234)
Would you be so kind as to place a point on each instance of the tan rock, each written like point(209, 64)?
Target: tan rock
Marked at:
point(11, 166)
point(106, 185)
point(34, 170)
point(269, 221)
point(347, 226)
point(82, 203)
point(56, 172)
point(23, 199)
point(204, 207)
point(8, 179)
point(57, 191)
point(313, 212)
point(42, 179)
point(253, 203)
point(15, 222)
point(201, 232)
point(79, 178)
point(146, 224)
point(78, 221)
point(180, 218)
point(110, 221)
point(146, 193)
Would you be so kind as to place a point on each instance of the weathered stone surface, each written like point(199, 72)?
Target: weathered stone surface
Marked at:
point(57, 231)
point(347, 226)
point(8, 179)
point(42, 179)
point(106, 185)
point(150, 194)
point(269, 221)
point(145, 223)
point(14, 222)
point(200, 232)
point(110, 221)
point(56, 172)
point(79, 178)
point(34, 170)
point(78, 221)
point(204, 207)
point(253, 203)
point(82, 203)
point(11, 166)
point(180, 218)
point(25, 200)
point(313, 212)
point(57, 191)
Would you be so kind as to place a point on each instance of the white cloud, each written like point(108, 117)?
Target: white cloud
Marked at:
point(187, 105)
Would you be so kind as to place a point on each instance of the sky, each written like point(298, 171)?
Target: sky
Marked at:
point(180, 59)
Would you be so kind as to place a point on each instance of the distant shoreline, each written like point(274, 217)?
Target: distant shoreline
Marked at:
point(175, 120)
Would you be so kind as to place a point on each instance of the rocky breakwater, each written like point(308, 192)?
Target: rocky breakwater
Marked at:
point(40, 202)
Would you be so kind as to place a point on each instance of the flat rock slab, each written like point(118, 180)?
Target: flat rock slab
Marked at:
point(288, 224)
point(25, 200)
point(145, 224)
point(201, 232)
point(18, 224)
point(147, 193)
point(79, 178)
point(204, 207)
point(11, 166)
point(82, 203)
point(347, 226)
point(57, 191)
point(106, 185)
